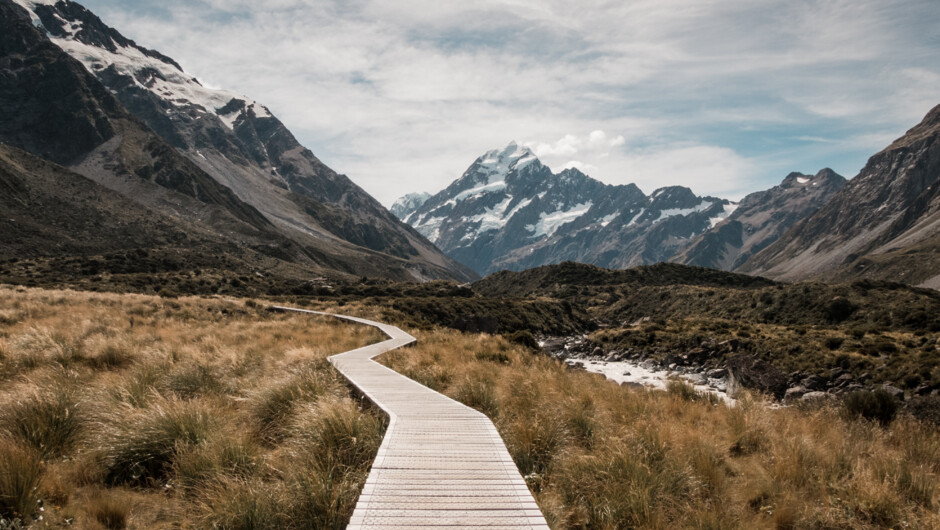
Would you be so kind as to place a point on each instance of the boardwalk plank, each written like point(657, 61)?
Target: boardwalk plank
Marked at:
point(441, 464)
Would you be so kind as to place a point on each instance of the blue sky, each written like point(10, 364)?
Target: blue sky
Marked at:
point(725, 97)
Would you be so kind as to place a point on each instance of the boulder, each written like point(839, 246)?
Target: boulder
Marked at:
point(814, 396)
point(794, 393)
point(813, 382)
point(894, 391)
point(696, 379)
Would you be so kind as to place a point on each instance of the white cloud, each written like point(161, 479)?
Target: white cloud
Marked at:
point(705, 169)
point(596, 143)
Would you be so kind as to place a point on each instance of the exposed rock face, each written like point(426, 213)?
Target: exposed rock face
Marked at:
point(884, 224)
point(760, 219)
point(79, 93)
point(509, 211)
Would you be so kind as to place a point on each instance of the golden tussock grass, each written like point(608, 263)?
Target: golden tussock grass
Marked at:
point(141, 412)
point(597, 455)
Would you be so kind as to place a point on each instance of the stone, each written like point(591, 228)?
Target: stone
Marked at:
point(717, 373)
point(843, 380)
point(598, 351)
point(795, 393)
point(812, 382)
point(893, 390)
point(696, 379)
point(814, 396)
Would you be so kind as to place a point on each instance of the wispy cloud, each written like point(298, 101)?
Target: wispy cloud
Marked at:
point(721, 96)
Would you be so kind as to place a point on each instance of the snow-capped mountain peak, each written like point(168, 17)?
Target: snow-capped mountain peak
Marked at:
point(508, 210)
point(105, 52)
point(408, 203)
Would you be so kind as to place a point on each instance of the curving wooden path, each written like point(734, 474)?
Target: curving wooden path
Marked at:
point(441, 463)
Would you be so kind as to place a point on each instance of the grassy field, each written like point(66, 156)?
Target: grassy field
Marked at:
point(597, 455)
point(136, 411)
point(144, 412)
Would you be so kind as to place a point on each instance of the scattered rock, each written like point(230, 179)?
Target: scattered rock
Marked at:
point(598, 351)
point(795, 393)
point(843, 380)
point(894, 391)
point(626, 373)
point(696, 379)
point(814, 396)
point(717, 373)
point(813, 382)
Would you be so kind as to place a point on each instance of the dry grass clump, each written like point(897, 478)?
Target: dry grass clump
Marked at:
point(131, 411)
point(597, 455)
point(48, 417)
point(20, 471)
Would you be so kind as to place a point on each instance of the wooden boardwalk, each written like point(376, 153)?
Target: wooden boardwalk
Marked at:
point(441, 463)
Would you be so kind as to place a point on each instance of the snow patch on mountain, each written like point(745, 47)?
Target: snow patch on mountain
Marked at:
point(549, 223)
point(489, 187)
point(491, 219)
point(608, 218)
point(431, 228)
point(672, 212)
point(728, 209)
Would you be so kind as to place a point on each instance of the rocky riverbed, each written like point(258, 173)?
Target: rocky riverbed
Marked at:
point(715, 367)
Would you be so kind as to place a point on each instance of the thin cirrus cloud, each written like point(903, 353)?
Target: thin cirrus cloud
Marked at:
point(723, 96)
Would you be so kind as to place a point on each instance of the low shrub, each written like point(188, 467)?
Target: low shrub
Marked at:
point(878, 405)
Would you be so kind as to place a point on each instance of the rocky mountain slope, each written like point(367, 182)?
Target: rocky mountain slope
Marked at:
point(760, 219)
point(509, 211)
point(130, 119)
point(884, 224)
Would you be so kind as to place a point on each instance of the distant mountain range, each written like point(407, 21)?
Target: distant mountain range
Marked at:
point(106, 146)
point(76, 93)
point(510, 211)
